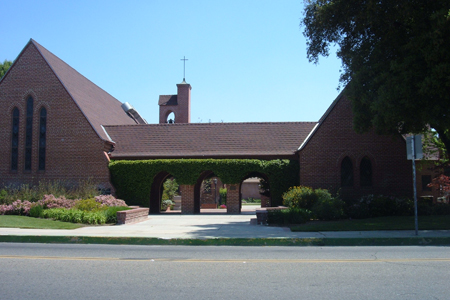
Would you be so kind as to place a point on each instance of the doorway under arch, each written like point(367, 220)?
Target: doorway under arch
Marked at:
point(207, 194)
point(156, 192)
point(255, 191)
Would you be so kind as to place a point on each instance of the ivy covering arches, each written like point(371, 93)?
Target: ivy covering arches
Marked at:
point(133, 178)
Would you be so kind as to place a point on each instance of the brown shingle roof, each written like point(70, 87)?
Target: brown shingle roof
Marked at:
point(99, 107)
point(168, 100)
point(208, 139)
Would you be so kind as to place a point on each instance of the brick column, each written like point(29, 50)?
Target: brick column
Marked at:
point(265, 201)
point(233, 201)
point(187, 199)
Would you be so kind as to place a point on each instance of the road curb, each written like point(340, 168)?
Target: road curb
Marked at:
point(409, 241)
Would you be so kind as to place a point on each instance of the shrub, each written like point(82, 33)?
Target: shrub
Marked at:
point(223, 195)
point(372, 206)
point(36, 211)
point(3, 196)
point(288, 216)
point(111, 213)
point(165, 204)
point(18, 207)
point(170, 189)
point(94, 217)
point(300, 197)
point(328, 208)
point(88, 205)
point(110, 200)
point(75, 215)
point(441, 209)
point(50, 201)
point(72, 190)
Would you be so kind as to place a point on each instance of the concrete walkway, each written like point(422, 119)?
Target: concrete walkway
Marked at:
point(206, 226)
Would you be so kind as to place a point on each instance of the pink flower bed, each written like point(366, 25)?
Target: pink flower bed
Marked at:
point(109, 200)
point(20, 207)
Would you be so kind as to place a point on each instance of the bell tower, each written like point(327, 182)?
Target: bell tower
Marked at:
point(179, 105)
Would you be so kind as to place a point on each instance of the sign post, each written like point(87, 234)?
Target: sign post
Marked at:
point(414, 151)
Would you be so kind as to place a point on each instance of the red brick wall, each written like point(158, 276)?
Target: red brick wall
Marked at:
point(320, 159)
point(233, 199)
point(73, 152)
point(187, 199)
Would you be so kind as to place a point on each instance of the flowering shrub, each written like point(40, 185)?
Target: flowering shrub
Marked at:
point(50, 201)
point(223, 206)
point(109, 200)
point(20, 207)
point(300, 197)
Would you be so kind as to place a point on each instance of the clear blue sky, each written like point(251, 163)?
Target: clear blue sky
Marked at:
point(246, 58)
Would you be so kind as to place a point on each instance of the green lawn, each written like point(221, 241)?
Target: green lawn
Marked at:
point(384, 223)
point(28, 222)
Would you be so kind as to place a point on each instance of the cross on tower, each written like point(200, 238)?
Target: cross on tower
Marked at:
point(184, 59)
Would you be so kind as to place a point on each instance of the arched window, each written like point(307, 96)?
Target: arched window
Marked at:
point(346, 172)
point(171, 118)
point(365, 172)
point(29, 133)
point(15, 140)
point(42, 137)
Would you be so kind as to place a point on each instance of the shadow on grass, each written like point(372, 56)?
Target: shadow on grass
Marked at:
point(382, 223)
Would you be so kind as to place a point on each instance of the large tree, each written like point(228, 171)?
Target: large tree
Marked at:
point(395, 60)
point(4, 67)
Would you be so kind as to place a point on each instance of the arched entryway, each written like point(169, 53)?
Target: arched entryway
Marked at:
point(254, 191)
point(157, 191)
point(207, 194)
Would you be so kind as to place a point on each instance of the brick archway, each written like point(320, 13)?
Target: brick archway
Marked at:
point(156, 192)
point(265, 200)
point(233, 195)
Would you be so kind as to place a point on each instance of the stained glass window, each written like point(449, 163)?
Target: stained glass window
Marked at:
point(346, 172)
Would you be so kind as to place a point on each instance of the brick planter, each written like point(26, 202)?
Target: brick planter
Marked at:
point(262, 214)
point(134, 215)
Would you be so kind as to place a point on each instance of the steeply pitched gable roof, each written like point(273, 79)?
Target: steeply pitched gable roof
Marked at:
point(208, 139)
point(322, 119)
point(99, 107)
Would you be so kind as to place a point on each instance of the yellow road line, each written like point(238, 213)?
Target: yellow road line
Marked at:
point(225, 260)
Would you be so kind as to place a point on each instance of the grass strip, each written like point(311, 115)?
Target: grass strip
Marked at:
point(410, 241)
point(12, 221)
point(383, 223)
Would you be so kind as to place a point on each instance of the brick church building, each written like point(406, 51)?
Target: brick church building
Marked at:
point(56, 124)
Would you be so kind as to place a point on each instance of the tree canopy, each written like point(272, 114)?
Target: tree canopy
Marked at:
point(395, 60)
point(4, 67)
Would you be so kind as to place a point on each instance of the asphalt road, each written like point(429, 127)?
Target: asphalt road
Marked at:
point(49, 271)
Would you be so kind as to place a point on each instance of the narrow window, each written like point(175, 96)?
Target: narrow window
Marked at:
point(365, 172)
point(15, 140)
point(42, 137)
point(29, 134)
point(426, 179)
point(346, 172)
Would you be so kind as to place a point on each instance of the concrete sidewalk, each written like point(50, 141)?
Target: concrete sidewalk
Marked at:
point(210, 226)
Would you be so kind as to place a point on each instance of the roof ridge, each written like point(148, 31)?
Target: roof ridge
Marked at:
point(209, 124)
point(322, 119)
point(36, 43)
point(96, 105)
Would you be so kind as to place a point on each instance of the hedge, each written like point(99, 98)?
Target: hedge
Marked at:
point(133, 178)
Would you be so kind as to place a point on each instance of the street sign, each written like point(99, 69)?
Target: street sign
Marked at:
point(413, 152)
point(417, 148)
